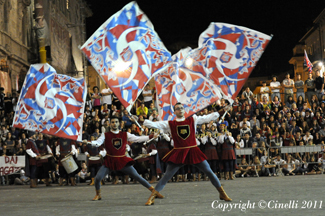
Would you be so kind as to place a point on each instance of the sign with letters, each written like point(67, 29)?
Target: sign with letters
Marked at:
point(11, 164)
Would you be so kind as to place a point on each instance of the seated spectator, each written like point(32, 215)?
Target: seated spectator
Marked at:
point(239, 142)
point(151, 108)
point(154, 115)
point(313, 168)
point(83, 175)
point(279, 162)
point(244, 168)
point(290, 166)
point(258, 138)
point(142, 110)
point(268, 167)
point(248, 140)
point(247, 95)
point(245, 130)
point(265, 103)
point(245, 120)
point(307, 137)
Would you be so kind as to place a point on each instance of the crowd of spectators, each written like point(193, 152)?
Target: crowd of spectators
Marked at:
point(262, 122)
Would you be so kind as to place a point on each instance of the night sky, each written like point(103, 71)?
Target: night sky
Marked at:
point(181, 20)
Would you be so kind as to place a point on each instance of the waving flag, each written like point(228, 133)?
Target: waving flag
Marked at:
point(180, 84)
point(127, 52)
point(51, 103)
point(308, 63)
point(226, 56)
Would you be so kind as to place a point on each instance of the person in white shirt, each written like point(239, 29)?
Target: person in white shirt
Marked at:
point(279, 162)
point(290, 166)
point(275, 87)
point(264, 91)
point(107, 96)
point(147, 96)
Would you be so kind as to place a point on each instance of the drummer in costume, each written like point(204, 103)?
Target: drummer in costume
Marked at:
point(163, 147)
point(228, 154)
point(32, 156)
point(153, 157)
point(185, 149)
point(43, 165)
point(94, 155)
point(116, 159)
point(65, 147)
point(210, 151)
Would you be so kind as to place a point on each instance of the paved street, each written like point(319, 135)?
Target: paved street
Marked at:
point(185, 198)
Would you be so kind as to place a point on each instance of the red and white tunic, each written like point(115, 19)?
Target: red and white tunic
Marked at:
point(183, 131)
point(115, 146)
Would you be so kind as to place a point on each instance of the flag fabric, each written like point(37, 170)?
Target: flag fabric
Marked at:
point(218, 68)
point(308, 63)
point(51, 103)
point(179, 84)
point(126, 52)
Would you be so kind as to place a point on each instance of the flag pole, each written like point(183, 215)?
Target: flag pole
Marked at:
point(135, 120)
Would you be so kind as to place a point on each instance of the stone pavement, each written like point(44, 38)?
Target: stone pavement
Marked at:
point(289, 195)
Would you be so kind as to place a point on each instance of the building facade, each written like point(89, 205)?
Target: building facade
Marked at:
point(314, 44)
point(60, 22)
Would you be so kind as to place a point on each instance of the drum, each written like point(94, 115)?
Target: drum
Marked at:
point(69, 164)
point(94, 158)
point(46, 156)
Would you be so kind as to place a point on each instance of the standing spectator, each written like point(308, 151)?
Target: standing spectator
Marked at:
point(107, 96)
point(310, 84)
point(247, 95)
point(264, 91)
point(299, 84)
point(96, 98)
point(147, 95)
point(275, 87)
point(288, 85)
point(319, 85)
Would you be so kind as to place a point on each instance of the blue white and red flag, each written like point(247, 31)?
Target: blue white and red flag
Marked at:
point(126, 52)
point(217, 69)
point(308, 63)
point(51, 103)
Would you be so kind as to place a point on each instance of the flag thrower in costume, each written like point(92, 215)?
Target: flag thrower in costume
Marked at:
point(126, 52)
point(51, 103)
point(217, 69)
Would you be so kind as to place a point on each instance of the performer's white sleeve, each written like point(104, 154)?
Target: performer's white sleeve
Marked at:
point(103, 152)
point(128, 147)
point(74, 150)
point(231, 139)
point(172, 143)
point(221, 138)
point(86, 153)
point(57, 149)
point(166, 137)
point(31, 153)
point(49, 150)
point(213, 141)
point(241, 144)
point(198, 143)
point(206, 118)
point(204, 140)
point(99, 141)
point(137, 139)
point(153, 152)
point(162, 125)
